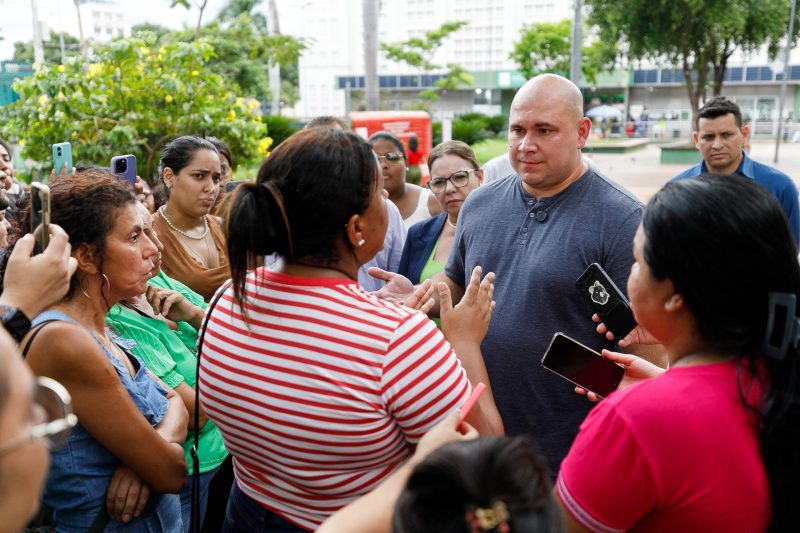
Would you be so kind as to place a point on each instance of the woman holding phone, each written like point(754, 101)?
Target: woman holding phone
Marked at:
point(194, 244)
point(319, 388)
point(123, 463)
point(710, 444)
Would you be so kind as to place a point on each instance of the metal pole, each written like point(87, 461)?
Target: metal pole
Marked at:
point(38, 51)
point(785, 78)
point(576, 46)
point(61, 33)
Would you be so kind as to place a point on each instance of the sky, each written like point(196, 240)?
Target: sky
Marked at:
point(16, 21)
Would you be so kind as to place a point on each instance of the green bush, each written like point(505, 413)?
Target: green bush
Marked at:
point(280, 128)
point(469, 127)
point(470, 131)
point(496, 124)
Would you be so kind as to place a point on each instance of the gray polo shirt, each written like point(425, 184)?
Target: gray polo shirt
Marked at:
point(538, 248)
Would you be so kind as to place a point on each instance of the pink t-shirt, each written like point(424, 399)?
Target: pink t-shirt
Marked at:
point(675, 453)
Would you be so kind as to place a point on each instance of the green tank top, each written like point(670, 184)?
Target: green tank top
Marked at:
point(171, 356)
point(431, 268)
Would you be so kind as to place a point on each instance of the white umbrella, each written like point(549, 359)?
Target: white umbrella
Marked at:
point(604, 111)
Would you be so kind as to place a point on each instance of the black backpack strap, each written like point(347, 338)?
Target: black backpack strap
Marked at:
point(195, 515)
point(35, 332)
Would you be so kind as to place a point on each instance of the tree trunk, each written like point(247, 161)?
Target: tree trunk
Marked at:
point(694, 97)
point(202, 8)
point(720, 67)
point(370, 16)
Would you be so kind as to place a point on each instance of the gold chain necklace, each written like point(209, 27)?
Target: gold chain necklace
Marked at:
point(173, 227)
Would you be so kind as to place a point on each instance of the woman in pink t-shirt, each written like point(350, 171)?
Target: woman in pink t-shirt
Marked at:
point(711, 443)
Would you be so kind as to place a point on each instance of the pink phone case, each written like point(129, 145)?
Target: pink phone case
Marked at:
point(472, 400)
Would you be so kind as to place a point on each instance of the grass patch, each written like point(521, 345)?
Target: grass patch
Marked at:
point(489, 148)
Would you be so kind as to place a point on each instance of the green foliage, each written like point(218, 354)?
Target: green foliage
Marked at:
point(470, 131)
point(280, 128)
point(543, 47)
point(244, 51)
point(419, 51)
point(471, 128)
point(23, 52)
point(697, 36)
point(546, 47)
point(132, 98)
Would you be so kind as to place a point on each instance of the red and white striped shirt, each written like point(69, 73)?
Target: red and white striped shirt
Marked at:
point(319, 395)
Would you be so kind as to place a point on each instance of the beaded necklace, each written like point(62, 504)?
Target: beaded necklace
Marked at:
point(173, 227)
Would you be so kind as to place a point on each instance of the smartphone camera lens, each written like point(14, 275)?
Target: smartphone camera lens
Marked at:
point(58, 150)
point(120, 166)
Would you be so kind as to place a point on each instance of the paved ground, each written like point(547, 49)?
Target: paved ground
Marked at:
point(642, 173)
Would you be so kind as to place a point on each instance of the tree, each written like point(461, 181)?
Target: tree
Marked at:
point(698, 36)
point(23, 51)
point(545, 47)
point(419, 51)
point(199, 4)
point(243, 51)
point(132, 98)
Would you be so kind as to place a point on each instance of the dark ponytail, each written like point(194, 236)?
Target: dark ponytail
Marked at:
point(500, 474)
point(305, 192)
point(725, 244)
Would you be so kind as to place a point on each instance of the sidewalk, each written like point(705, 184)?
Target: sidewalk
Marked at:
point(643, 174)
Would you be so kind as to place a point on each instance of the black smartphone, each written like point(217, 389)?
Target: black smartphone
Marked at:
point(40, 216)
point(582, 366)
point(608, 301)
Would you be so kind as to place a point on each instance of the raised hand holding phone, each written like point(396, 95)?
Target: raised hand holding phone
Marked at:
point(62, 158)
point(40, 215)
point(124, 166)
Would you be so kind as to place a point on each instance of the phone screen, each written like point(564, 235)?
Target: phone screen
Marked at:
point(582, 366)
point(40, 215)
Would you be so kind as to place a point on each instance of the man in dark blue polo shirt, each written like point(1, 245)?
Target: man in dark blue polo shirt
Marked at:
point(720, 137)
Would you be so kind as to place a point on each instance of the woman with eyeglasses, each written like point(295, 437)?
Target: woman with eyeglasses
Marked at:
point(414, 202)
point(35, 416)
point(454, 174)
point(122, 465)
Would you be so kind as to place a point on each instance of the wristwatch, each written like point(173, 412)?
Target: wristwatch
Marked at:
point(15, 321)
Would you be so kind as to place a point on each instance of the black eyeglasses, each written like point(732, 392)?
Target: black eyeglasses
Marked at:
point(393, 158)
point(458, 179)
point(53, 407)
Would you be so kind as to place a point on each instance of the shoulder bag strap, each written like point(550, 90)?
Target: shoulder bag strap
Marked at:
point(195, 520)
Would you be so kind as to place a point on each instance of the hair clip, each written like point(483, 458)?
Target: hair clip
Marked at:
point(488, 519)
point(783, 327)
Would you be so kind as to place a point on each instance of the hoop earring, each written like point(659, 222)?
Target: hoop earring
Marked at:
point(80, 285)
point(105, 286)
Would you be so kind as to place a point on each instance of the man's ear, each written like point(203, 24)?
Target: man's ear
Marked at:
point(86, 255)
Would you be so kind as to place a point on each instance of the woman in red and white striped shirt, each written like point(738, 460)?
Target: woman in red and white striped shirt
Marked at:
point(319, 388)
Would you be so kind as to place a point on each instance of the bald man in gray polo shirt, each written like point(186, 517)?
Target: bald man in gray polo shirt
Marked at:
point(538, 230)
